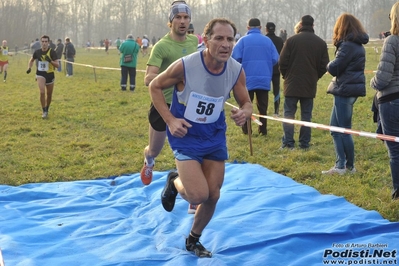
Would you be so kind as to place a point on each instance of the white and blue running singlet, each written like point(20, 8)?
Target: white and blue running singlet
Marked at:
point(201, 103)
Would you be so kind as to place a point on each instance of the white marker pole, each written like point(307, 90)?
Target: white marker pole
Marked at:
point(1, 259)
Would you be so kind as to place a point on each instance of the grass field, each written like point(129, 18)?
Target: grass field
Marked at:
point(96, 130)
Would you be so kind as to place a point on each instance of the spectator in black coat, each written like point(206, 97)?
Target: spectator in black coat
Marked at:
point(58, 49)
point(278, 42)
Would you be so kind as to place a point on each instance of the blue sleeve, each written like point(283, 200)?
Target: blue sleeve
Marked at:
point(237, 51)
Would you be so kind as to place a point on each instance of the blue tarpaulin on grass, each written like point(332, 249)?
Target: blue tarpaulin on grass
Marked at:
point(262, 218)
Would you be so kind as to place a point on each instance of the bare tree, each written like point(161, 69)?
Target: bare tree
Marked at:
point(123, 11)
point(325, 26)
point(88, 12)
point(49, 11)
point(75, 21)
point(24, 20)
point(16, 22)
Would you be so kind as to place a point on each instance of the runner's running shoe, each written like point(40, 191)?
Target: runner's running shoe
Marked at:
point(146, 174)
point(198, 249)
point(169, 192)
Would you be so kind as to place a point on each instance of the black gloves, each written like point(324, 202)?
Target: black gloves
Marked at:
point(28, 71)
point(47, 58)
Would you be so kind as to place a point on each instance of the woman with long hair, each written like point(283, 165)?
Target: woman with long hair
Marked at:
point(348, 83)
point(386, 82)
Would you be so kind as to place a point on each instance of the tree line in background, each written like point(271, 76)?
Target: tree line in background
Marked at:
point(25, 20)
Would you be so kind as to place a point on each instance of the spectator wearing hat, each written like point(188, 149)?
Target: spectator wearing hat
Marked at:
point(129, 50)
point(258, 55)
point(58, 49)
point(191, 31)
point(278, 42)
point(303, 61)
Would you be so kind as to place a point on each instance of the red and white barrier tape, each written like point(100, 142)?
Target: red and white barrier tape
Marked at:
point(97, 67)
point(290, 121)
point(329, 128)
point(252, 117)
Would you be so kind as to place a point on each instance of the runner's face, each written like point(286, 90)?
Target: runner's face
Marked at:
point(180, 23)
point(44, 43)
point(4, 43)
point(221, 43)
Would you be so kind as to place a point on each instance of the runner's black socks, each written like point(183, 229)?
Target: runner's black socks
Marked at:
point(193, 237)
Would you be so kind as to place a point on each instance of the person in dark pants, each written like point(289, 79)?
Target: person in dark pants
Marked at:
point(129, 50)
point(303, 61)
point(348, 83)
point(69, 54)
point(386, 84)
point(258, 55)
point(278, 42)
point(58, 49)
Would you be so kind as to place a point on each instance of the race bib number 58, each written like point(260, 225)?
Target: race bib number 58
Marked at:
point(203, 109)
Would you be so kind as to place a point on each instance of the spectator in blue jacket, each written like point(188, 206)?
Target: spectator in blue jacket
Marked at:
point(348, 83)
point(258, 55)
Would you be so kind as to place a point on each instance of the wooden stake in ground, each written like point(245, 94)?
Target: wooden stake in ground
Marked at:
point(249, 129)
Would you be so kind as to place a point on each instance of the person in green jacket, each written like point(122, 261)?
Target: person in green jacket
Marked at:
point(129, 50)
point(118, 44)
